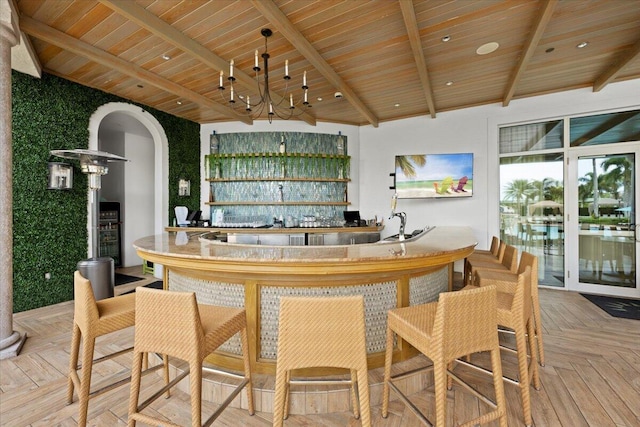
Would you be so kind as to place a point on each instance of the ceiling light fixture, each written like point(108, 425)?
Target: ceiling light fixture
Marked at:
point(581, 45)
point(446, 38)
point(449, 83)
point(166, 57)
point(285, 108)
point(487, 48)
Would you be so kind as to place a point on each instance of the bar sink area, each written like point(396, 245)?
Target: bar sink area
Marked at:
point(415, 235)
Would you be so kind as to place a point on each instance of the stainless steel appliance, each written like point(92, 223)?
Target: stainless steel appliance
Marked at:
point(109, 232)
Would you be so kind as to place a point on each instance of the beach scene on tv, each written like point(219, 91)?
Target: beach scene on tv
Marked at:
point(434, 175)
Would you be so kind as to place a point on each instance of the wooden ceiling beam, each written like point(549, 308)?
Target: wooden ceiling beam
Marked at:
point(280, 21)
point(51, 35)
point(160, 28)
point(612, 72)
point(535, 35)
point(411, 23)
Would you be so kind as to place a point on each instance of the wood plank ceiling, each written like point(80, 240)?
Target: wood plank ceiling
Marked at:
point(389, 59)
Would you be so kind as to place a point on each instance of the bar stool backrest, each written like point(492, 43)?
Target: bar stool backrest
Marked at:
point(495, 246)
point(168, 322)
point(466, 322)
point(510, 259)
point(85, 309)
point(321, 332)
point(528, 259)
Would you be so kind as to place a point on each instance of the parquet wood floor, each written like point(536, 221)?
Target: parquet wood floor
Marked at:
point(591, 377)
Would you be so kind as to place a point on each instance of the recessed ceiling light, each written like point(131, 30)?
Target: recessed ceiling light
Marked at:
point(179, 102)
point(396, 105)
point(551, 49)
point(446, 38)
point(319, 98)
point(581, 45)
point(449, 83)
point(166, 57)
point(487, 48)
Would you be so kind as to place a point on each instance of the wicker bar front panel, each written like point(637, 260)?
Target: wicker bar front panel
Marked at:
point(426, 288)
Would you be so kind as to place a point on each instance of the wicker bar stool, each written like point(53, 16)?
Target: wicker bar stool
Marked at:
point(460, 323)
point(493, 249)
point(514, 311)
point(322, 332)
point(92, 319)
point(506, 282)
point(174, 324)
point(509, 262)
point(495, 254)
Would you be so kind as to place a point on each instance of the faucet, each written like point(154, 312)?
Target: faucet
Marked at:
point(402, 215)
point(403, 222)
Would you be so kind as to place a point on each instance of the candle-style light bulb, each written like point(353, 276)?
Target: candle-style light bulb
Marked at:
point(305, 97)
point(232, 94)
point(286, 67)
point(231, 68)
point(270, 108)
point(221, 75)
point(291, 100)
point(256, 59)
point(304, 79)
point(248, 103)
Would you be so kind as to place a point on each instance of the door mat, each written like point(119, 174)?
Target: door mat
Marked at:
point(123, 279)
point(616, 307)
point(155, 285)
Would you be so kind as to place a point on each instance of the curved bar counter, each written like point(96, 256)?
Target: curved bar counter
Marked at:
point(387, 274)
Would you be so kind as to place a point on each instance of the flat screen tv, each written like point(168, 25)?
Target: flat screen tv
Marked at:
point(434, 176)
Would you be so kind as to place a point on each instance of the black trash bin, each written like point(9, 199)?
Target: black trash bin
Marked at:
point(101, 273)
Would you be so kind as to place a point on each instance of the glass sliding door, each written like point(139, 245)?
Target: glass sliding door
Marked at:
point(531, 211)
point(602, 236)
point(532, 195)
point(605, 221)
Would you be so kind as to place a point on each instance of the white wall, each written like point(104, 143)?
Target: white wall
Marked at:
point(138, 208)
point(475, 130)
point(113, 182)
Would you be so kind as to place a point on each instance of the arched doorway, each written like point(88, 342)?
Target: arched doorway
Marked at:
point(128, 113)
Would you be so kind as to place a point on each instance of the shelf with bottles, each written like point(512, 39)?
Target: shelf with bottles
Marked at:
point(231, 167)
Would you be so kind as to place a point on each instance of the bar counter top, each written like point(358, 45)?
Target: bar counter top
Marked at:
point(441, 245)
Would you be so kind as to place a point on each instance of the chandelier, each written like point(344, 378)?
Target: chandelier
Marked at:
point(284, 108)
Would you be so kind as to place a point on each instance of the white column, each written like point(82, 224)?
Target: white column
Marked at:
point(10, 340)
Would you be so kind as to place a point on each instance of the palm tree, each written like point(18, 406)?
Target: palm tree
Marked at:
point(406, 164)
point(517, 190)
point(619, 176)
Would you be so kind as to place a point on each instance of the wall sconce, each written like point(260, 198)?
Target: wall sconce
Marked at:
point(184, 187)
point(60, 176)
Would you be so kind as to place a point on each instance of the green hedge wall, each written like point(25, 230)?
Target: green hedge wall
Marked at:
point(50, 227)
